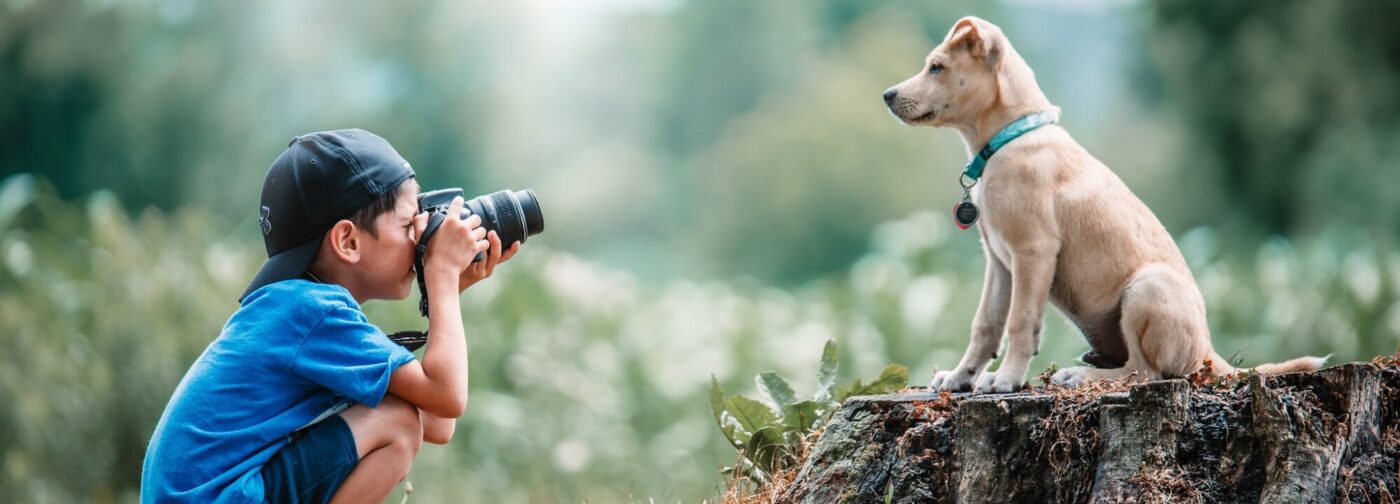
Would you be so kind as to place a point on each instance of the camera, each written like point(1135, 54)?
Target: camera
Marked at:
point(513, 215)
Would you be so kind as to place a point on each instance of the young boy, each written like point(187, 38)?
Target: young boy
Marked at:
point(301, 399)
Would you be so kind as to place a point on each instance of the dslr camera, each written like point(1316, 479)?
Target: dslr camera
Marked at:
point(513, 215)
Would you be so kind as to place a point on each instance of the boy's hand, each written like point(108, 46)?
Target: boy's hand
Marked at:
point(479, 270)
point(454, 244)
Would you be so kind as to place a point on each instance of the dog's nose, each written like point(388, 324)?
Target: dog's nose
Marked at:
point(889, 95)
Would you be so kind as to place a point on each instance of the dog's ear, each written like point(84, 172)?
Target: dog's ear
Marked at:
point(967, 22)
point(979, 38)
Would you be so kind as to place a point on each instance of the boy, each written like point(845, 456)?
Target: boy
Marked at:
point(300, 399)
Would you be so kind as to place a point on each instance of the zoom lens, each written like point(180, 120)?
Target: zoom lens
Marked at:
point(513, 215)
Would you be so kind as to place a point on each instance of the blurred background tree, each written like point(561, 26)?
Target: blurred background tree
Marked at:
point(724, 188)
point(1292, 108)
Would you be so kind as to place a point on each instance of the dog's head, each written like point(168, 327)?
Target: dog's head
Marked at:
point(959, 80)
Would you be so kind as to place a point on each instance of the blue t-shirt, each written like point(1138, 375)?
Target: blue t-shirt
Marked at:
point(293, 350)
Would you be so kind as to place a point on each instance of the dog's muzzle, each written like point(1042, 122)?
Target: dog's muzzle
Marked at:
point(905, 109)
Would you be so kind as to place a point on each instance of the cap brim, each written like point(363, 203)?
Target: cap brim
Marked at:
point(288, 264)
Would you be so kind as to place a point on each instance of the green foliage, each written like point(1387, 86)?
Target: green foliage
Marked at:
point(171, 105)
point(894, 377)
point(1294, 148)
point(775, 389)
point(771, 434)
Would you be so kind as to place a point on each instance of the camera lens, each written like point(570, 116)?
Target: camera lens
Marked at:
point(513, 215)
point(534, 218)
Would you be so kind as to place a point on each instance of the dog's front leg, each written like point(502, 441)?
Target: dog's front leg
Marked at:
point(1032, 271)
point(987, 328)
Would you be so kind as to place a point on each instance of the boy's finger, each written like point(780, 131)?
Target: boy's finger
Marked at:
point(454, 210)
point(420, 223)
point(473, 222)
point(495, 254)
point(510, 252)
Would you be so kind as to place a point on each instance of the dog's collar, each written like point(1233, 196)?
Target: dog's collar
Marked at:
point(1017, 128)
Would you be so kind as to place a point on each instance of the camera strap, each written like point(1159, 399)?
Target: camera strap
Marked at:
point(434, 222)
point(412, 340)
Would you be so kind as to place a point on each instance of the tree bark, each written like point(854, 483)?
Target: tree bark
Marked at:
point(1327, 436)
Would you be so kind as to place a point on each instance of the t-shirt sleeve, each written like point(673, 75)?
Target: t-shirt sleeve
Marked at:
point(347, 354)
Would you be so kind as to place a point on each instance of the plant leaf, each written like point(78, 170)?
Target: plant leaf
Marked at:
point(728, 425)
point(847, 390)
point(893, 378)
point(751, 415)
point(801, 417)
point(776, 390)
point(826, 372)
point(716, 398)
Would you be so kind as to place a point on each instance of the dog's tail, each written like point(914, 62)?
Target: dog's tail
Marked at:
point(1298, 365)
point(1301, 364)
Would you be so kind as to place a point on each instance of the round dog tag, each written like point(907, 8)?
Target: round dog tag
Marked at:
point(964, 214)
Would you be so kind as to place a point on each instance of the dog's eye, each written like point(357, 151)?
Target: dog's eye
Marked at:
point(934, 68)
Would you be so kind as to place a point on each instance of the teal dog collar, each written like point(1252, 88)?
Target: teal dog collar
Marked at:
point(1017, 128)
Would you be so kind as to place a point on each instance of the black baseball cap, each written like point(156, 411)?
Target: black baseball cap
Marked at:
point(321, 178)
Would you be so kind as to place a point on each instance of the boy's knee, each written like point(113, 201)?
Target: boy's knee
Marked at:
point(394, 423)
point(403, 423)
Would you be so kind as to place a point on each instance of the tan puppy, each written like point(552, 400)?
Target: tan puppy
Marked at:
point(1056, 223)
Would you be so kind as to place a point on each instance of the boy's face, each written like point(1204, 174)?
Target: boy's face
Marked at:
point(386, 262)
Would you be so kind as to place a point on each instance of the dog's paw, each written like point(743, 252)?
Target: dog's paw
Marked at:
point(956, 380)
point(1070, 376)
point(999, 383)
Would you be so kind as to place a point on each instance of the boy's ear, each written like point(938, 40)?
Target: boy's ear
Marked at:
point(343, 241)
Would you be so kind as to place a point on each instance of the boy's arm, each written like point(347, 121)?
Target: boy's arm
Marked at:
point(436, 429)
point(438, 384)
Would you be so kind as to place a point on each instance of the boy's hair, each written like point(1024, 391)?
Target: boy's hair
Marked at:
point(365, 216)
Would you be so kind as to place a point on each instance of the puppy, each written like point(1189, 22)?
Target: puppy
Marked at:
point(1056, 223)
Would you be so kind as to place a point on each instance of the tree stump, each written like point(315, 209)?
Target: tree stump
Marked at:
point(1326, 436)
